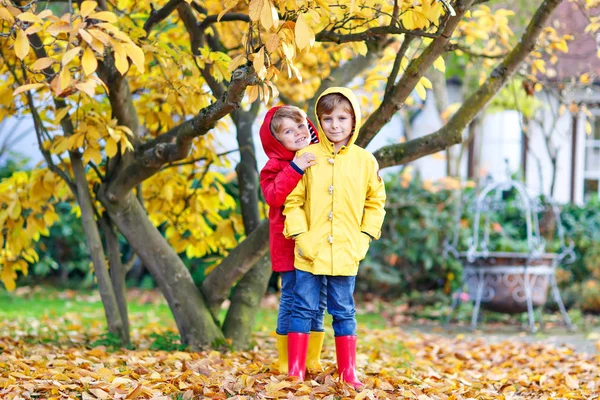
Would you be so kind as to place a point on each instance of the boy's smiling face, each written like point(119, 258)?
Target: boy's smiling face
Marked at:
point(293, 135)
point(338, 126)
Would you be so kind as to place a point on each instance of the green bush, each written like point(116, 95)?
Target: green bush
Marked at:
point(421, 216)
point(410, 251)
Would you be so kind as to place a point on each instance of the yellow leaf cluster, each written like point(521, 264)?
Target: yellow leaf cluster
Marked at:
point(544, 55)
point(94, 131)
point(191, 202)
point(26, 213)
point(72, 43)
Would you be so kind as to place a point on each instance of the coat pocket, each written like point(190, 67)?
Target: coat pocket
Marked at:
point(363, 246)
point(307, 246)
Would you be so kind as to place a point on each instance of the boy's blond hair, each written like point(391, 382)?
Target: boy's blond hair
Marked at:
point(331, 101)
point(292, 112)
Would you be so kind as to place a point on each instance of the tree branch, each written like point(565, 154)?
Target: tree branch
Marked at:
point(175, 144)
point(451, 133)
point(211, 19)
point(471, 52)
point(217, 285)
point(158, 15)
point(196, 41)
point(397, 62)
point(371, 34)
point(191, 24)
point(410, 78)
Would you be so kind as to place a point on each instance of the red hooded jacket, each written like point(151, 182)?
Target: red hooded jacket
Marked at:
point(277, 179)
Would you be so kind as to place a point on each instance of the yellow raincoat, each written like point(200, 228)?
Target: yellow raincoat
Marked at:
point(336, 200)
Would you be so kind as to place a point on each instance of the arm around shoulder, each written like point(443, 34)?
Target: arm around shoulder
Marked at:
point(277, 182)
point(295, 216)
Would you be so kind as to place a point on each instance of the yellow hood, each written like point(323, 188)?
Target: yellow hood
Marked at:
point(347, 93)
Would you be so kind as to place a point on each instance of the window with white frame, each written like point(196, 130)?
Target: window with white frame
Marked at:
point(591, 175)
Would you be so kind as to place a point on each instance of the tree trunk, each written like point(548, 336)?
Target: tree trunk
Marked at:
point(246, 169)
point(217, 285)
point(553, 161)
point(245, 303)
point(117, 271)
point(194, 320)
point(107, 294)
point(251, 288)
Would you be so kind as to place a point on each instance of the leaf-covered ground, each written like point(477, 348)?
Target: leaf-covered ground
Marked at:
point(64, 354)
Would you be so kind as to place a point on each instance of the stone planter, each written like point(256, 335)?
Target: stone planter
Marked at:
point(502, 279)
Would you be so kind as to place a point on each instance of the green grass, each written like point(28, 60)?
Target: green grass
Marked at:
point(46, 305)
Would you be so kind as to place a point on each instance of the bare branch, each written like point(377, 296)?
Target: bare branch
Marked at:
point(471, 52)
point(397, 61)
point(211, 19)
point(158, 15)
point(370, 34)
point(451, 133)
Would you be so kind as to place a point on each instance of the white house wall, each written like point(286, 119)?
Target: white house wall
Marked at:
point(538, 160)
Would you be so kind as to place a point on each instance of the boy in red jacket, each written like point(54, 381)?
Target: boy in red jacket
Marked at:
point(285, 130)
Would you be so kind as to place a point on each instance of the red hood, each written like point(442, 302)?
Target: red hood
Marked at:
point(273, 148)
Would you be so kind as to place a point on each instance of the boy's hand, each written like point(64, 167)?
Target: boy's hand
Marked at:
point(305, 160)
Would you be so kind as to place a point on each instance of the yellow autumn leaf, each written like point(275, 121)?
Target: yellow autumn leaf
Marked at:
point(88, 87)
point(259, 60)
point(87, 7)
point(61, 113)
point(255, 9)
point(14, 209)
point(92, 154)
point(426, 83)
point(29, 17)
point(8, 277)
point(585, 78)
point(305, 37)
point(120, 58)
point(104, 16)
point(252, 93)
point(268, 15)
point(21, 44)
point(58, 27)
point(136, 55)
point(572, 382)
point(440, 64)
point(111, 147)
point(236, 62)
point(29, 86)
point(65, 79)
point(42, 63)
point(229, 4)
point(70, 55)
point(6, 15)
point(89, 62)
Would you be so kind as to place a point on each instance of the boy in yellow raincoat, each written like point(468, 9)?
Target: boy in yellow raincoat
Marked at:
point(334, 212)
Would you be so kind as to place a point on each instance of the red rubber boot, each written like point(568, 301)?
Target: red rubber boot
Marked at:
point(345, 351)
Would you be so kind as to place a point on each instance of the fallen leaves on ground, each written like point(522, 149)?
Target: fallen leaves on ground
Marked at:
point(52, 359)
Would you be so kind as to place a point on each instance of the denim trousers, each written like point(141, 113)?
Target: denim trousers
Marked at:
point(340, 302)
point(288, 282)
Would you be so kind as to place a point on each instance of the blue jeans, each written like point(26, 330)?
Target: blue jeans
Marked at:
point(288, 282)
point(340, 302)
